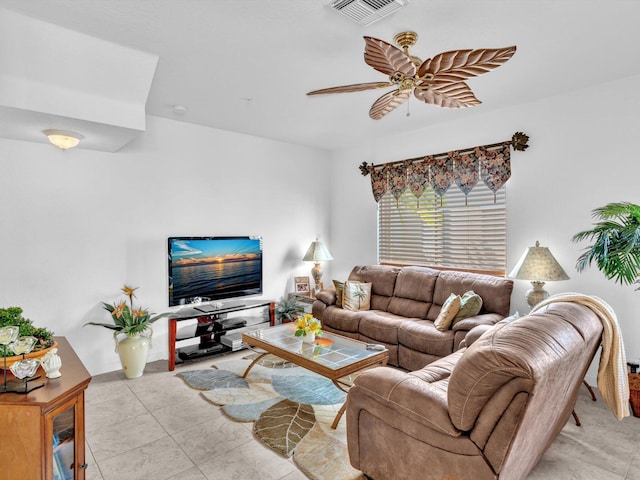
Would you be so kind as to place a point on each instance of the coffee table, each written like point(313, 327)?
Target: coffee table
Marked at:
point(332, 356)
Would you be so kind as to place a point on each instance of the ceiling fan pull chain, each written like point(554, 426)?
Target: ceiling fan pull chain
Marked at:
point(408, 109)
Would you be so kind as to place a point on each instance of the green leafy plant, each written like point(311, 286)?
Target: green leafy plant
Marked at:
point(288, 309)
point(616, 242)
point(128, 319)
point(13, 316)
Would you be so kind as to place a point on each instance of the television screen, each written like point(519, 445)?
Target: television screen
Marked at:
point(213, 268)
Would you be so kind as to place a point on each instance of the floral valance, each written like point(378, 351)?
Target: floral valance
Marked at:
point(490, 164)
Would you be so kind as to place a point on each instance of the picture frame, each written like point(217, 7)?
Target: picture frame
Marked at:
point(302, 286)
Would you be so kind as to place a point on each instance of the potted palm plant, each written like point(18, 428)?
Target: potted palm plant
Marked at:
point(616, 243)
point(135, 324)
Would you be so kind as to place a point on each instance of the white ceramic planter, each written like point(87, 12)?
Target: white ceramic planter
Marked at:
point(309, 338)
point(133, 351)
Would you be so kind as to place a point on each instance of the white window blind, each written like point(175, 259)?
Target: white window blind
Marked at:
point(448, 235)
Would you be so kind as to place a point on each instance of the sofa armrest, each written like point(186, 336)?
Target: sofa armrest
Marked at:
point(407, 395)
point(327, 296)
point(474, 334)
point(483, 319)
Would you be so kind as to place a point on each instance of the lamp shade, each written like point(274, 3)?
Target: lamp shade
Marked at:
point(538, 264)
point(317, 252)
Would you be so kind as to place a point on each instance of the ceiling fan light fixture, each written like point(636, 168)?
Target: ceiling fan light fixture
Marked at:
point(63, 139)
point(439, 81)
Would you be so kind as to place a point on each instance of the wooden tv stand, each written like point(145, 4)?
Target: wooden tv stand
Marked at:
point(208, 326)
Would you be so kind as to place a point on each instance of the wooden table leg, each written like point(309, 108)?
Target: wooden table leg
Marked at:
point(336, 420)
point(255, 360)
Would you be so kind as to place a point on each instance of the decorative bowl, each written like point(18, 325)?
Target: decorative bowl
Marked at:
point(25, 368)
point(34, 354)
point(23, 345)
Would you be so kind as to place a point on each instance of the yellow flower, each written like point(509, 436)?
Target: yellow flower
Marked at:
point(314, 326)
point(301, 324)
point(308, 324)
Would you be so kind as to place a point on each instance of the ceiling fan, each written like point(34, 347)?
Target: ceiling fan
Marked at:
point(438, 80)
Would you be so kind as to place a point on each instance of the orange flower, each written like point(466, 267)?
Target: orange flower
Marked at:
point(129, 291)
point(139, 312)
point(118, 309)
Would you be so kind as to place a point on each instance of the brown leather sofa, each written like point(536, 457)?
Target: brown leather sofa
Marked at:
point(405, 301)
point(487, 411)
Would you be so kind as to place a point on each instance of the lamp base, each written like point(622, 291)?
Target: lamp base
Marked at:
point(316, 273)
point(536, 294)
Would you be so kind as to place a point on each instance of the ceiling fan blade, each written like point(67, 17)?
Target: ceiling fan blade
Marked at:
point(357, 87)
point(388, 102)
point(446, 94)
point(386, 58)
point(458, 65)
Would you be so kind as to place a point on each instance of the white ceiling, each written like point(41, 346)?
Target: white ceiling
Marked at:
point(246, 65)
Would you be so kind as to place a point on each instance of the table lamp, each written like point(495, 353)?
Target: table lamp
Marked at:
point(538, 265)
point(317, 253)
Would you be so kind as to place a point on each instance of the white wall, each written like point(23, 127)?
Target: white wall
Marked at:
point(77, 225)
point(582, 155)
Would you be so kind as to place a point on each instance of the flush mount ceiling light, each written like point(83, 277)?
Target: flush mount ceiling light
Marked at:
point(63, 139)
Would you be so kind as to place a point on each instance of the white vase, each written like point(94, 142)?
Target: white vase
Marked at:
point(309, 338)
point(133, 351)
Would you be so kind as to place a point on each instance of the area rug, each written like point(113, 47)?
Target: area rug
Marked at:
point(291, 408)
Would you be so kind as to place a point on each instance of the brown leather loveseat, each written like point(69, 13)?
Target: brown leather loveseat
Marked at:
point(405, 302)
point(487, 411)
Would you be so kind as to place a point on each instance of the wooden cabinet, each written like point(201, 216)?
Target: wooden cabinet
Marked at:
point(42, 432)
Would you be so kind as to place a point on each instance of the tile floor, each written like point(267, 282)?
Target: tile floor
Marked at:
point(157, 428)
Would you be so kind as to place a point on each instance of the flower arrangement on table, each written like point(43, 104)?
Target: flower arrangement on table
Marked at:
point(308, 325)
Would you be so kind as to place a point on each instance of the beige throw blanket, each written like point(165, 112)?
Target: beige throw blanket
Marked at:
point(613, 382)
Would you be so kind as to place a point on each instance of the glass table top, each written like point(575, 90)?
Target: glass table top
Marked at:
point(331, 351)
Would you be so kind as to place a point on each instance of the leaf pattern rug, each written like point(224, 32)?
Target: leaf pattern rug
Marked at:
point(292, 410)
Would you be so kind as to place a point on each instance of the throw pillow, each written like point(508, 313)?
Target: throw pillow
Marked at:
point(339, 292)
point(449, 310)
point(470, 305)
point(357, 295)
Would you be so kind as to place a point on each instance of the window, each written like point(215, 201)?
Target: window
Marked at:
point(447, 233)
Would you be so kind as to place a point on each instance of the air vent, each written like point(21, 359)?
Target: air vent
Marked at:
point(366, 12)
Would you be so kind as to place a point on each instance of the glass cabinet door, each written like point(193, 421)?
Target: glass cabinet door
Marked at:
point(63, 444)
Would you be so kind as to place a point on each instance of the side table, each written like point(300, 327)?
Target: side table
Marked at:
point(305, 301)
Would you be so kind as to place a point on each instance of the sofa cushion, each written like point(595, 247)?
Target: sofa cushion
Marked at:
point(413, 294)
point(339, 286)
point(382, 279)
point(539, 349)
point(495, 291)
point(340, 319)
point(449, 310)
point(380, 326)
point(470, 305)
point(423, 336)
point(356, 296)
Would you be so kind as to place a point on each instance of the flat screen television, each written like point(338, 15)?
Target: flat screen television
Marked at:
point(213, 268)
